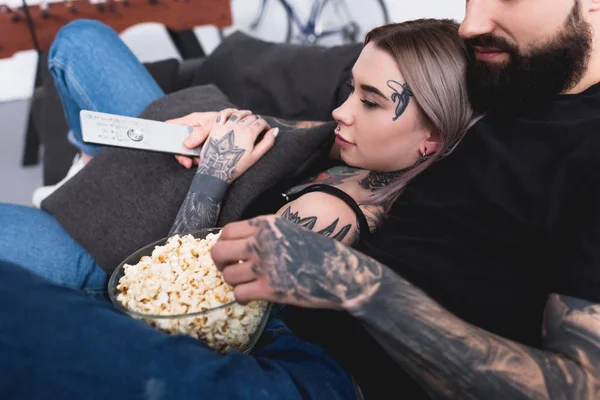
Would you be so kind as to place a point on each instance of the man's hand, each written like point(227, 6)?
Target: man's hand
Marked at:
point(202, 123)
point(271, 259)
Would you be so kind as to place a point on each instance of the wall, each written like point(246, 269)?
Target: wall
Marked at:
point(17, 73)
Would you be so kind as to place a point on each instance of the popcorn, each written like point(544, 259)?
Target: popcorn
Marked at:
point(181, 278)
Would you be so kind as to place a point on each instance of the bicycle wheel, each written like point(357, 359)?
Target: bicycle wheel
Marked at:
point(348, 21)
point(267, 20)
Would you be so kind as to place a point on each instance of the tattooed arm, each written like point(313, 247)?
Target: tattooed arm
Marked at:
point(229, 151)
point(455, 360)
point(324, 214)
point(449, 357)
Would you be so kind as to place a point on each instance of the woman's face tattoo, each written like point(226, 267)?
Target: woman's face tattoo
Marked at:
point(401, 95)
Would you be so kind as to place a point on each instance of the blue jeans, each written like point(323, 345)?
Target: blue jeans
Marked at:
point(36, 241)
point(56, 343)
point(94, 70)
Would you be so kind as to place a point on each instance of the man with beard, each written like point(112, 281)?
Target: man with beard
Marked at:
point(487, 279)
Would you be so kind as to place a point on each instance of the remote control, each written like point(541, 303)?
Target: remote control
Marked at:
point(135, 133)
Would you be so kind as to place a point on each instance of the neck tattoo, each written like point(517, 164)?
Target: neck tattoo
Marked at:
point(377, 180)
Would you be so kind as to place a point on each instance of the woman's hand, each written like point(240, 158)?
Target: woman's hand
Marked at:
point(231, 147)
point(201, 122)
point(272, 259)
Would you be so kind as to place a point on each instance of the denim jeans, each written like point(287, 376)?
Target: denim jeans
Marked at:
point(35, 240)
point(56, 343)
point(94, 70)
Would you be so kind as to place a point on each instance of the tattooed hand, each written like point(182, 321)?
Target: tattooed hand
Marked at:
point(231, 148)
point(285, 263)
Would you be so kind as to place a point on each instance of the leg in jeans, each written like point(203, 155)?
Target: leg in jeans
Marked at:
point(36, 241)
point(94, 70)
point(58, 343)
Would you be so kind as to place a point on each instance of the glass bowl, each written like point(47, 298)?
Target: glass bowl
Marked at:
point(210, 325)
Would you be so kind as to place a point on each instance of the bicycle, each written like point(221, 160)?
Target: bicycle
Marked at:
point(328, 19)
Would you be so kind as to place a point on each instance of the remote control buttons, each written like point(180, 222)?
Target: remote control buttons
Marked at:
point(135, 135)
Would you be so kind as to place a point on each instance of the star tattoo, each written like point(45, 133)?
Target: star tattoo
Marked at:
point(220, 157)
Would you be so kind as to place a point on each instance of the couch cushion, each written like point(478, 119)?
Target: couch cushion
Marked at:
point(125, 199)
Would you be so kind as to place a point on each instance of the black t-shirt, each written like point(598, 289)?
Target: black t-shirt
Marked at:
point(510, 217)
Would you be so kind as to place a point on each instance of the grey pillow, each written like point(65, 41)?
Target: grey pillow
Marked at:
point(125, 199)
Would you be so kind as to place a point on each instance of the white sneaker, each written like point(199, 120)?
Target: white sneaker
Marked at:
point(42, 192)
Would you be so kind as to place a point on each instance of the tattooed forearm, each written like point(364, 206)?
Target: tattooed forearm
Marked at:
point(219, 157)
point(306, 267)
point(310, 222)
point(197, 212)
point(455, 360)
point(402, 95)
point(450, 358)
point(200, 208)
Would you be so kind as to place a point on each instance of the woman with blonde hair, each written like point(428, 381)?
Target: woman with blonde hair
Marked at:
point(408, 108)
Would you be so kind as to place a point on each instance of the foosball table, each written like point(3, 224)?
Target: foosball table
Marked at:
point(35, 26)
point(26, 26)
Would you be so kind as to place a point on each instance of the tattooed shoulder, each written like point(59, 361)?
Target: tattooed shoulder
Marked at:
point(323, 214)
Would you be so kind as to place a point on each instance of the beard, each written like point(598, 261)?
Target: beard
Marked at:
point(528, 79)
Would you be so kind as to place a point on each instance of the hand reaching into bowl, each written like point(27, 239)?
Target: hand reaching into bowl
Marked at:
point(283, 262)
